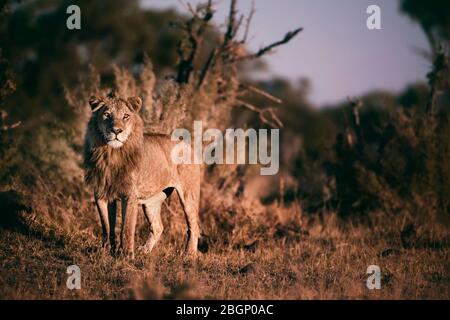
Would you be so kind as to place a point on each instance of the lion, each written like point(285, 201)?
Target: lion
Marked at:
point(122, 163)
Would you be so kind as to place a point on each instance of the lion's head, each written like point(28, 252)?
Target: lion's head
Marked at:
point(113, 144)
point(115, 118)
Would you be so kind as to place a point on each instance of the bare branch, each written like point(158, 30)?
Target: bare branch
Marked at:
point(248, 22)
point(231, 23)
point(188, 7)
point(209, 12)
point(288, 37)
point(271, 111)
point(238, 26)
point(206, 67)
point(266, 115)
point(261, 93)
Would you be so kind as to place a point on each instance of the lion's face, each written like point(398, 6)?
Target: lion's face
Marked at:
point(115, 118)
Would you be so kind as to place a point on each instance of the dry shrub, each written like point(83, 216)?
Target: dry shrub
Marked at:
point(235, 220)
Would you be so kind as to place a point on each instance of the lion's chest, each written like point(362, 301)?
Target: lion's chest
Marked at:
point(112, 174)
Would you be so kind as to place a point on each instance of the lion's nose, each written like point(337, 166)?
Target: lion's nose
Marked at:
point(117, 130)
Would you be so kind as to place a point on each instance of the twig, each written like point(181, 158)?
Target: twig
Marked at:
point(261, 93)
point(275, 122)
point(231, 23)
point(238, 26)
point(206, 68)
point(288, 37)
point(248, 22)
point(209, 12)
point(188, 6)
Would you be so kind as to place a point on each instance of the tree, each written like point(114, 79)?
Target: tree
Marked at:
point(434, 18)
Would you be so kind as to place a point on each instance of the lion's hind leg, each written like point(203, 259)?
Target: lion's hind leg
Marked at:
point(152, 212)
point(190, 204)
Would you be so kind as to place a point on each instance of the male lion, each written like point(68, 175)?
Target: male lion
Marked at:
point(123, 163)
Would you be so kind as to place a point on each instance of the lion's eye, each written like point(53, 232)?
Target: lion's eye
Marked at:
point(106, 115)
point(126, 116)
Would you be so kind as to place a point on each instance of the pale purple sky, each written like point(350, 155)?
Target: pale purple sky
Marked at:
point(335, 51)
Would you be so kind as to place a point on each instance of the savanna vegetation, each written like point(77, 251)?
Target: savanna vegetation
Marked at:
point(362, 183)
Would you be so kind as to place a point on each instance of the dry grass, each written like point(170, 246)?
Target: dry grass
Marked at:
point(324, 261)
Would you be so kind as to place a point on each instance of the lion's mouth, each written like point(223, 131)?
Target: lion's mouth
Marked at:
point(113, 141)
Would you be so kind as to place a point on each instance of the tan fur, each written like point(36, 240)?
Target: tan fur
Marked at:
point(123, 164)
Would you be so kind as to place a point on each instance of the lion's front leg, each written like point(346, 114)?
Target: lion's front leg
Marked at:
point(102, 207)
point(112, 214)
point(129, 218)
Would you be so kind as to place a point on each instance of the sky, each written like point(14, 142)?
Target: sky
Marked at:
point(336, 50)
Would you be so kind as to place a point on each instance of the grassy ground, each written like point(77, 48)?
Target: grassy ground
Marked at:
point(328, 262)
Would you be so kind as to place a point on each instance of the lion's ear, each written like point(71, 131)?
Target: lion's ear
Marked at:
point(96, 103)
point(135, 103)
